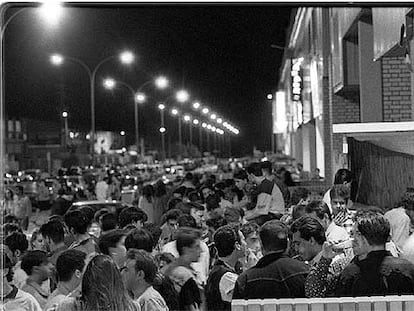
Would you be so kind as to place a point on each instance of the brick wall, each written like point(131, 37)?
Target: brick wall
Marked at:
point(345, 110)
point(396, 90)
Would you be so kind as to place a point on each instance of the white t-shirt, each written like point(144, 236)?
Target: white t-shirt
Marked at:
point(226, 285)
point(21, 302)
point(101, 190)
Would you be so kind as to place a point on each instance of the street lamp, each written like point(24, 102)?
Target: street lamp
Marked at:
point(182, 96)
point(65, 119)
point(161, 107)
point(161, 82)
point(126, 58)
point(3, 27)
point(205, 110)
point(196, 105)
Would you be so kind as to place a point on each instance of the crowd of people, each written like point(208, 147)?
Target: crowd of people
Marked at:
point(204, 243)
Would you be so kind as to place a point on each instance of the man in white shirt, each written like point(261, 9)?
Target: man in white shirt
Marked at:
point(201, 267)
point(101, 189)
point(231, 247)
point(12, 297)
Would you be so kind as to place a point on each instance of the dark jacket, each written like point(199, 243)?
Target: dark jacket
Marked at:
point(378, 274)
point(213, 295)
point(275, 276)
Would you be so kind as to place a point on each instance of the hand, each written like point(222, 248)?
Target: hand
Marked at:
point(327, 250)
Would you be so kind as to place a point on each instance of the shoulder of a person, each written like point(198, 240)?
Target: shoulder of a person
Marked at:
point(67, 303)
point(29, 299)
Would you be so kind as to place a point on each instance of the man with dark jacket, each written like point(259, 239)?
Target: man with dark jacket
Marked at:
point(275, 275)
point(374, 271)
point(231, 246)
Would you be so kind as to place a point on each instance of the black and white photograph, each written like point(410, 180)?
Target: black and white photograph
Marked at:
point(206, 156)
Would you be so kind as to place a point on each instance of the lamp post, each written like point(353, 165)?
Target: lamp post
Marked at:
point(139, 98)
point(49, 10)
point(125, 58)
point(161, 107)
point(65, 119)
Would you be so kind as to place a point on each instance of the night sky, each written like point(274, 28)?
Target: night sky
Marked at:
point(220, 54)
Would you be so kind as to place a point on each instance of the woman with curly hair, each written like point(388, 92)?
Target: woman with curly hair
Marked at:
point(102, 289)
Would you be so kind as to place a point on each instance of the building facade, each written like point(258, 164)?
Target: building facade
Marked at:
point(347, 82)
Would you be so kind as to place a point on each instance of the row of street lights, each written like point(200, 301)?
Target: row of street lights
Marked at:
point(53, 10)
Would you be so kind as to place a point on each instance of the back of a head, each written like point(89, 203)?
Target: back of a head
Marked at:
point(54, 230)
point(33, 259)
point(340, 191)
point(77, 221)
point(241, 174)
point(131, 214)
point(319, 208)
point(212, 202)
point(108, 221)
point(266, 166)
point(17, 241)
point(89, 213)
point(68, 262)
point(172, 214)
point(186, 237)
point(110, 239)
point(139, 239)
point(233, 214)
point(255, 169)
point(343, 176)
point(299, 194)
point(225, 238)
point(374, 227)
point(189, 177)
point(154, 230)
point(309, 227)
point(100, 213)
point(172, 203)
point(274, 236)
point(186, 220)
point(216, 222)
point(144, 261)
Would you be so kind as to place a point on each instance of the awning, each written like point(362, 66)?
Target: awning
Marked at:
point(395, 136)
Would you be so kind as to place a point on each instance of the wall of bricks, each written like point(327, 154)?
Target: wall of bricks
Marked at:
point(396, 90)
point(345, 110)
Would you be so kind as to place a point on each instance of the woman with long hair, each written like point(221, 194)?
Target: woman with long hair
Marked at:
point(102, 289)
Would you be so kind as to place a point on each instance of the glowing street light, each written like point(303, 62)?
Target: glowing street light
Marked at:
point(109, 83)
point(269, 96)
point(56, 59)
point(64, 114)
point(204, 125)
point(122, 133)
point(51, 11)
point(205, 110)
point(187, 118)
point(196, 105)
point(213, 116)
point(162, 129)
point(196, 122)
point(161, 106)
point(126, 57)
point(140, 97)
point(161, 82)
point(182, 96)
point(174, 111)
point(219, 120)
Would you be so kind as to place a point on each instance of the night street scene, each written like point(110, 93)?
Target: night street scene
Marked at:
point(207, 156)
